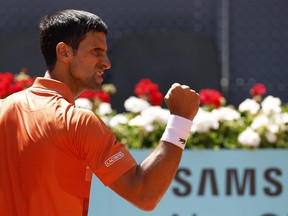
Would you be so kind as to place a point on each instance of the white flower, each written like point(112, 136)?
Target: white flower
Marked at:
point(260, 121)
point(142, 121)
point(271, 105)
point(149, 128)
point(150, 115)
point(84, 103)
point(204, 121)
point(104, 109)
point(226, 114)
point(118, 119)
point(271, 137)
point(274, 123)
point(273, 128)
point(284, 118)
point(281, 119)
point(249, 105)
point(156, 113)
point(135, 105)
point(106, 119)
point(139, 120)
point(249, 138)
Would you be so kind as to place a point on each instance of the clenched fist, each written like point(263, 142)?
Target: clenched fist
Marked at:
point(182, 101)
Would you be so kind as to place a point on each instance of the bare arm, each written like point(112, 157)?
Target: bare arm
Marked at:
point(145, 184)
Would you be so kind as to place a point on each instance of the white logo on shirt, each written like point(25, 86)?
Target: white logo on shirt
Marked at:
point(114, 158)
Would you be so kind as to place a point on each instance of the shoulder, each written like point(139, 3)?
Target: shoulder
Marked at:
point(86, 119)
point(12, 99)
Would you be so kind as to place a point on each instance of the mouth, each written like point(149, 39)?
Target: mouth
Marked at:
point(99, 77)
point(100, 73)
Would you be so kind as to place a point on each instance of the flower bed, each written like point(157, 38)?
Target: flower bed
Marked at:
point(258, 122)
point(255, 123)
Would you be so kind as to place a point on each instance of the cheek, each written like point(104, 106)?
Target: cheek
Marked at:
point(76, 69)
point(84, 62)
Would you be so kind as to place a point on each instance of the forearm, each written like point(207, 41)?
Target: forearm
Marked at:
point(145, 184)
point(158, 170)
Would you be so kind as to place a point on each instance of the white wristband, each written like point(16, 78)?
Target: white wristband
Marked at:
point(177, 131)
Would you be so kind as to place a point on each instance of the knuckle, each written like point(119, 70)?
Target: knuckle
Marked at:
point(185, 87)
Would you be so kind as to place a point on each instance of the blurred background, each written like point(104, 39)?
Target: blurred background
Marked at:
point(220, 44)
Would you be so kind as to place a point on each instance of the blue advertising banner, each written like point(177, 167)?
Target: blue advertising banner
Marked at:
point(208, 183)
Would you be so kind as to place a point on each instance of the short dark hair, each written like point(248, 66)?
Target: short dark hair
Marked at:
point(68, 26)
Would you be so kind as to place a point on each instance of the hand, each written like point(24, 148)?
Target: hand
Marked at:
point(182, 101)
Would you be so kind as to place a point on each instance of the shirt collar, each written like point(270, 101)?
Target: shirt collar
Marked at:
point(54, 87)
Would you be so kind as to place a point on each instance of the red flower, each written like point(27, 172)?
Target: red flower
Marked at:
point(101, 95)
point(145, 87)
point(6, 83)
point(211, 97)
point(258, 89)
point(15, 87)
point(10, 84)
point(87, 94)
point(156, 98)
point(149, 91)
point(6, 77)
point(2, 92)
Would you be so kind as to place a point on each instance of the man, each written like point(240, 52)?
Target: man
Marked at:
point(47, 144)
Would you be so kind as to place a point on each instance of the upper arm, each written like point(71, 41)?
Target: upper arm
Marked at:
point(95, 144)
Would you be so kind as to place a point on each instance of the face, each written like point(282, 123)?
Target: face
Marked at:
point(89, 62)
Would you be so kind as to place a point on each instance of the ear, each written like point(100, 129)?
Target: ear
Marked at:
point(63, 52)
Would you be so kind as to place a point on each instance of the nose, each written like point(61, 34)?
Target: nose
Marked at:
point(106, 63)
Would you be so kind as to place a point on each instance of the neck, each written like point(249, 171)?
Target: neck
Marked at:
point(56, 76)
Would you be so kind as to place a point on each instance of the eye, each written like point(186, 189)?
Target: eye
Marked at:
point(98, 51)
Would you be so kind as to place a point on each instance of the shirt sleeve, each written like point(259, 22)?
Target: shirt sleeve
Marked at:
point(97, 145)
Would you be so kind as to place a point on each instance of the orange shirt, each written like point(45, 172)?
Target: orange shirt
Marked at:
point(46, 144)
